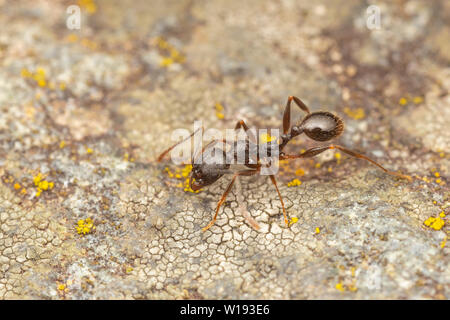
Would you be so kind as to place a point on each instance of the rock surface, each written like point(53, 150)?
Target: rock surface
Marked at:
point(87, 213)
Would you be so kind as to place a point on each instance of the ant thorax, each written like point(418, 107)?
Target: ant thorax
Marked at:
point(239, 151)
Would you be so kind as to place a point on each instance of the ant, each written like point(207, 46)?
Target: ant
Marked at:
point(319, 126)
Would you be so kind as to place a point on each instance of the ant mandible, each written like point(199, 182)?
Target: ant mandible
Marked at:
point(319, 126)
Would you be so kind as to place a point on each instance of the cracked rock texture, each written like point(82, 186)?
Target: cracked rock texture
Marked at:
point(85, 113)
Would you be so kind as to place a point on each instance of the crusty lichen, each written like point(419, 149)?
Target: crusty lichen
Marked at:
point(85, 226)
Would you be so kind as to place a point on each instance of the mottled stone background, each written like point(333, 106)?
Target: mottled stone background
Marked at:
point(87, 213)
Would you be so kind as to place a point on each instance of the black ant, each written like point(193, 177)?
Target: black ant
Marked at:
point(319, 126)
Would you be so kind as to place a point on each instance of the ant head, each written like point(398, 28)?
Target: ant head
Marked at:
point(320, 126)
point(205, 174)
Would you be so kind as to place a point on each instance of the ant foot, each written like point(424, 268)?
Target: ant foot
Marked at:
point(403, 176)
point(208, 226)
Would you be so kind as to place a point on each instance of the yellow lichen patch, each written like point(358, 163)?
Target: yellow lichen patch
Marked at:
point(71, 38)
point(62, 144)
point(338, 156)
point(317, 230)
point(265, 137)
point(129, 269)
point(220, 115)
point(186, 170)
point(417, 100)
point(166, 61)
point(174, 55)
point(37, 178)
point(437, 174)
point(352, 288)
point(41, 185)
point(85, 42)
point(30, 111)
point(88, 5)
point(434, 223)
point(25, 73)
point(177, 56)
point(17, 186)
point(39, 77)
point(299, 172)
point(339, 286)
point(293, 220)
point(317, 165)
point(443, 243)
point(89, 151)
point(89, 44)
point(126, 157)
point(169, 172)
point(356, 114)
point(219, 111)
point(349, 284)
point(182, 174)
point(85, 226)
point(294, 183)
point(8, 179)
point(285, 166)
point(403, 101)
point(62, 288)
point(442, 214)
point(330, 169)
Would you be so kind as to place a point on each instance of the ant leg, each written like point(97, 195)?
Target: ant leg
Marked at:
point(361, 156)
point(224, 142)
point(286, 221)
point(287, 112)
point(241, 124)
point(162, 155)
point(307, 154)
point(224, 196)
point(315, 151)
point(242, 208)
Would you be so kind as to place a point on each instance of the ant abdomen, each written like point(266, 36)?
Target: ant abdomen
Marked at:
point(321, 126)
